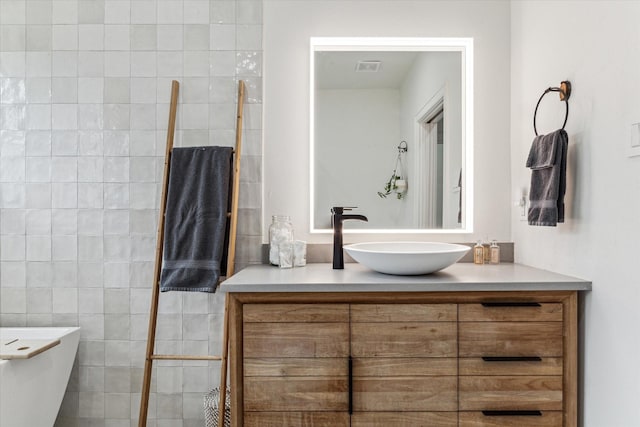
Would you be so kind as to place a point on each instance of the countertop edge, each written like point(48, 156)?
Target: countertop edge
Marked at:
point(356, 278)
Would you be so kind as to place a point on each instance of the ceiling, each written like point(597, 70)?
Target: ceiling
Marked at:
point(337, 70)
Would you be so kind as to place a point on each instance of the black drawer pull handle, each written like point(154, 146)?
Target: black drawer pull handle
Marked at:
point(350, 385)
point(512, 358)
point(511, 304)
point(512, 413)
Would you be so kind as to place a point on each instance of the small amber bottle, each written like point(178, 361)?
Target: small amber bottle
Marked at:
point(495, 252)
point(478, 253)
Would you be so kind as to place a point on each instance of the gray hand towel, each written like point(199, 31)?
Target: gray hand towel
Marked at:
point(196, 218)
point(548, 163)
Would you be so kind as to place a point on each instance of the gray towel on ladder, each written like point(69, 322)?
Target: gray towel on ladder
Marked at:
point(548, 162)
point(196, 218)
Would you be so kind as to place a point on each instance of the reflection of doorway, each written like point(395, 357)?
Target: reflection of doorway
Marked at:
point(429, 163)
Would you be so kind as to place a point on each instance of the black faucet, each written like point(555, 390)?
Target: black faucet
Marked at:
point(337, 216)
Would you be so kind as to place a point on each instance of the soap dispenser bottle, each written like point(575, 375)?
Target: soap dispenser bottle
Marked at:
point(495, 253)
point(478, 253)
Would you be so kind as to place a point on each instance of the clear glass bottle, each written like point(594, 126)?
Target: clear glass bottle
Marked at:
point(280, 230)
point(495, 252)
point(487, 251)
point(478, 253)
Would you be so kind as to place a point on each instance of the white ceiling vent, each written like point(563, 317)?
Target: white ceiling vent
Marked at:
point(368, 66)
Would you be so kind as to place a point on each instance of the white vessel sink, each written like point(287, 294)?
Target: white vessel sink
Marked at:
point(406, 258)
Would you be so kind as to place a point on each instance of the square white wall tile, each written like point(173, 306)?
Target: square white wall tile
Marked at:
point(13, 274)
point(64, 221)
point(91, 12)
point(12, 221)
point(64, 12)
point(90, 36)
point(170, 12)
point(64, 195)
point(117, 12)
point(38, 64)
point(64, 143)
point(13, 64)
point(65, 300)
point(12, 195)
point(38, 12)
point(143, 37)
point(196, 12)
point(143, 12)
point(90, 143)
point(13, 248)
point(90, 90)
point(64, 37)
point(223, 37)
point(64, 116)
point(90, 222)
point(64, 248)
point(12, 169)
point(13, 300)
point(222, 12)
point(116, 38)
point(38, 248)
point(38, 221)
point(116, 275)
point(64, 169)
point(116, 222)
point(170, 37)
point(38, 38)
point(13, 12)
point(38, 117)
point(196, 37)
point(38, 143)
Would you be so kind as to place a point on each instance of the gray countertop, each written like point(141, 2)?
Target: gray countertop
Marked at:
point(357, 278)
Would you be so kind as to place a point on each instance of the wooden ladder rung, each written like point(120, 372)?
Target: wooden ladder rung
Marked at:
point(183, 357)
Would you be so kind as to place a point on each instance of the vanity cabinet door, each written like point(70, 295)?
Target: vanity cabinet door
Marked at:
point(404, 364)
point(295, 362)
point(511, 364)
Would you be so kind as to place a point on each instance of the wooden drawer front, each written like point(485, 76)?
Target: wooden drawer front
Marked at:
point(296, 394)
point(405, 394)
point(511, 393)
point(545, 312)
point(296, 340)
point(404, 367)
point(479, 339)
point(296, 419)
point(478, 419)
point(477, 366)
point(295, 367)
point(289, 313)
point(404, 313)
point(404, 339)
point(404, 419)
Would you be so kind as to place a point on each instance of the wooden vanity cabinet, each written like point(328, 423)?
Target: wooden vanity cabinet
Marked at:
point(481, 359)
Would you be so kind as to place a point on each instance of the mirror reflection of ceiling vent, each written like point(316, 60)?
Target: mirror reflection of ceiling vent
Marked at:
point(368, 66)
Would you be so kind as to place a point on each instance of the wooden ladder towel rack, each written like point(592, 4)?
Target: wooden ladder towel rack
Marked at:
point(233, 219)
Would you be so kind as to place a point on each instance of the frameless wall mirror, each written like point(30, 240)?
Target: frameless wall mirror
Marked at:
point(391, 133)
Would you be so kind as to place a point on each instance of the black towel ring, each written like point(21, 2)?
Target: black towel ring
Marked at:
point(565, 93)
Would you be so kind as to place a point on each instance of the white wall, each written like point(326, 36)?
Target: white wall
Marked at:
point(444, 72)
point(287, 28)
point(358, 124)
point(595, 45)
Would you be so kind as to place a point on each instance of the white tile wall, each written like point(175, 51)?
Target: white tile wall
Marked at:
point(84, 92)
